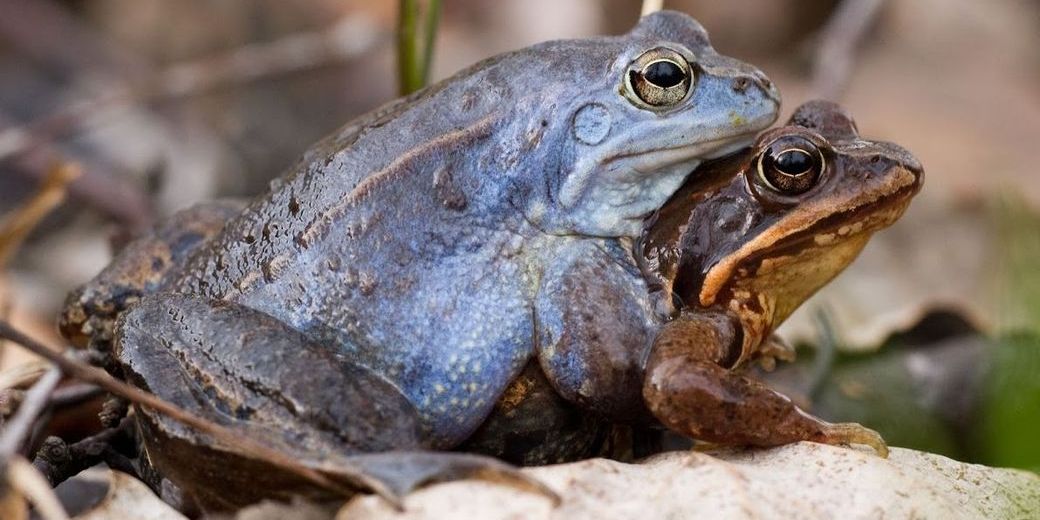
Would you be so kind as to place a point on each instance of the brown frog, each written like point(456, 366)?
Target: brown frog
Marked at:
point(738, 248)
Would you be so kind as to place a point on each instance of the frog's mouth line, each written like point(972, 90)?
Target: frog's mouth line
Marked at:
point(645, 166)
point(725, 146)
point(799, 228)
point(843, 225)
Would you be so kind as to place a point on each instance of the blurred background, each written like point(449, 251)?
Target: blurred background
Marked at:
point(136, 108)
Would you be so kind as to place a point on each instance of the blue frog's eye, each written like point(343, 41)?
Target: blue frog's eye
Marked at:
point(659, 78)
point(790, 165)
point(664, 73)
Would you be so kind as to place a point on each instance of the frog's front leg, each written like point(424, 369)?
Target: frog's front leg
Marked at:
point(251, 373)
point(594, 325)
point(691, 388)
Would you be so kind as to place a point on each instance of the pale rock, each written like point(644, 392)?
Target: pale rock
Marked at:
point(803, 480)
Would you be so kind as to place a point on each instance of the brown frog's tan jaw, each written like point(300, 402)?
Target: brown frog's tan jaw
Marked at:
point(764, 282)
point(828, 228)
point(765, 288)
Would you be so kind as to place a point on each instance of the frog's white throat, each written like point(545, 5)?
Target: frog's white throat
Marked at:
point(611, 196)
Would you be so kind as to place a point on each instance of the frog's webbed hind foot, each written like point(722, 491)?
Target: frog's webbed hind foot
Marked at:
point(405, 471)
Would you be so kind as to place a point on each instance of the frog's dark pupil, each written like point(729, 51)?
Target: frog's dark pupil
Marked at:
point(794, 162)
point(791, 166)
point(664, 74)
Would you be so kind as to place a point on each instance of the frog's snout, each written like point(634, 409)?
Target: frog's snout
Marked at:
point(754, 101)
point(901, 157)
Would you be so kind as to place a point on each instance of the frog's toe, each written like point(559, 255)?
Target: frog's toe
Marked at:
point(853, 433)
point(405, 471)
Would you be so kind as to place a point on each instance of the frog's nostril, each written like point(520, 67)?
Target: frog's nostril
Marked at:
point(763, 80)
point(903, 157)
point(756, 78)
point(914, 166)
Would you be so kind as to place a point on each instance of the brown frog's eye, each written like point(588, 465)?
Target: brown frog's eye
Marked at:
point(790, 165)
point(660, 78)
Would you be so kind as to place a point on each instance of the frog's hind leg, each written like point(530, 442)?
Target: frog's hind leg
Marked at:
point(139, 269)
point(252, 374)
point(691, 389)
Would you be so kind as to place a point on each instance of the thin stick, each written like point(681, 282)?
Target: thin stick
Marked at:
point(21, 475)
point(651, 6)
point(23, 375)
point(84, 372)
point(828, 347)
point(347, 39)
point(20, 426)
point(58, 461)
point(23, 220)
point(839, 41)
point(72, 395)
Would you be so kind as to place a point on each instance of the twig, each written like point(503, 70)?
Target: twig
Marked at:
point(23, 375)
point(17, 226)
point(73, 395)
point(825, 352)
point(347, 39)
point(838, 42)
point(22, 476)
point(651, 6)
point(98, 186)
point(56, 40)
point(58, 461)
point(84, 372)
point(20, 426)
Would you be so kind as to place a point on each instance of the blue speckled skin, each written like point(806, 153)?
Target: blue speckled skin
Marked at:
point(428, 241)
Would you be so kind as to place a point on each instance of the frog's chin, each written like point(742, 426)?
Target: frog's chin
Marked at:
point(634, 185)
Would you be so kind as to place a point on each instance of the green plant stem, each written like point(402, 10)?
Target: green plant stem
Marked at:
point(413, 62)
point(433, 18)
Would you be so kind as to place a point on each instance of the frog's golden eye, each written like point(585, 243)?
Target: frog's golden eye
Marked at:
point(660, 78)
point(790, 165)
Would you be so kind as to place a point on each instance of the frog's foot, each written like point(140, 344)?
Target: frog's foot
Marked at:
point(690, 392)
point(773, 348)
point(405, 471)
point(853, 433)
